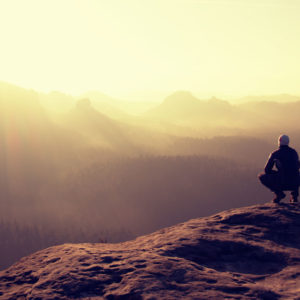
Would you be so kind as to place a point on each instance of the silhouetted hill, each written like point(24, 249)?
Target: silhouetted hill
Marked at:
point(106, 104)
point(118, 137)
point(28, 138)
point(283, 98)
point(19, 103)
point(183, 109)
point(57, 102)
point(116, 107)
point(182, 114)
point(183, 105)
point(245, 253)
point(181, 98)
point(99, 129)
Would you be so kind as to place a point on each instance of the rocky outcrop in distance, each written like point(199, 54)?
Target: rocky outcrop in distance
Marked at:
point(245, 253)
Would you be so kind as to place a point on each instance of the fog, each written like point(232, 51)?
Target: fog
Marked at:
point(98, 169)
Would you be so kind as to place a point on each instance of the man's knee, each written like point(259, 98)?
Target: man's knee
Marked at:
point(263, 178)
point(270, 181)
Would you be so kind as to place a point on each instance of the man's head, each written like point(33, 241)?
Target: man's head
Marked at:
point(283, 140)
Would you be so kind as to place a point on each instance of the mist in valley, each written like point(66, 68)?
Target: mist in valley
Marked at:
point(98, 169)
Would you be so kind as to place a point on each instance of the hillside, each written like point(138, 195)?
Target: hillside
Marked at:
point(245, 253)
point(183, 105)
point(212, 117)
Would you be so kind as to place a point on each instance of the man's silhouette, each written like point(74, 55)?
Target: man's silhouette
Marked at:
point(286, 177)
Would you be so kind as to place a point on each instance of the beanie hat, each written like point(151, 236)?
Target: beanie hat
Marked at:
point(283, 140)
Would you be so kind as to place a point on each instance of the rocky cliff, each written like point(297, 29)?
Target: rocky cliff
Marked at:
point(245, 253)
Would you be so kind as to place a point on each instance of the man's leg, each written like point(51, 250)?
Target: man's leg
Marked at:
point(295, 194)
point(279, 195)
point(271, 181)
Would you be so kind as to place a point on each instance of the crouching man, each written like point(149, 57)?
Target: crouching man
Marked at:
point(286, 176)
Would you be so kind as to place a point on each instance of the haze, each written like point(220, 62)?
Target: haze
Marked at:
point(115, 117)
point(95, 168)
point(134, 47)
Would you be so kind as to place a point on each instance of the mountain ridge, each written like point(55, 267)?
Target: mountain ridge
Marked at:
point(244, 253)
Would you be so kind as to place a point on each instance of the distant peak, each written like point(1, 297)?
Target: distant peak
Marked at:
point(218, 101)
point(181, 97)
point(84, 104)
point(214, 98)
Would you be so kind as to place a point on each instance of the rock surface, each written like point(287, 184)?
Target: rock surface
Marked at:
point(245, 253)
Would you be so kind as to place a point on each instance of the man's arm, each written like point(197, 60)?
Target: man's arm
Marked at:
point(270, 163)
point(297, 159)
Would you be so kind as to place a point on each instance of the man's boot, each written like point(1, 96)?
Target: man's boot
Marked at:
point(294, 196)
point(279, 196)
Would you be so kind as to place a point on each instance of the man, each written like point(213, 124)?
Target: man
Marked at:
point(286, 177)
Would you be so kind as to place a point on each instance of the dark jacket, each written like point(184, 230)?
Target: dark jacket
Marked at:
point(287, 163)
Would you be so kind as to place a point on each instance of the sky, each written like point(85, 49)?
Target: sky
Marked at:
point(127, 47)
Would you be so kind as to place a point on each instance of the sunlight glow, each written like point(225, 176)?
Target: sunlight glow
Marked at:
point(120, 47)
